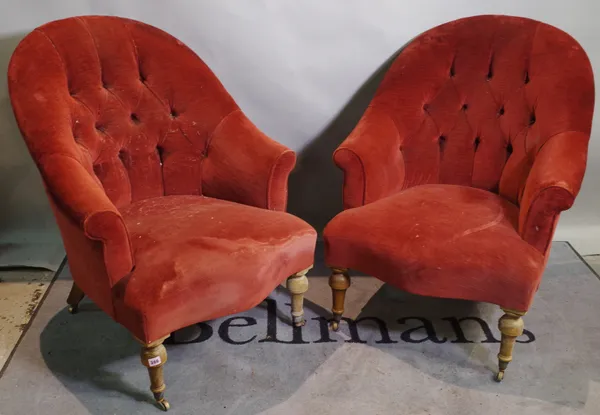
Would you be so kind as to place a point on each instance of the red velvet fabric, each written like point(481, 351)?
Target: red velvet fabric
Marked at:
point(440, 239)
point(231, 254)
point(116, 112)
point(499, 103)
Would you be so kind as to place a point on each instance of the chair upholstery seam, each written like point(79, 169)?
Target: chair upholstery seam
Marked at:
point(214, 131)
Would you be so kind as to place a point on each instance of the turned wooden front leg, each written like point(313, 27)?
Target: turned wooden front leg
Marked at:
point(74, 298)
point(339, 281)
point(511, 326)
point(154, 356)
point(297, 285)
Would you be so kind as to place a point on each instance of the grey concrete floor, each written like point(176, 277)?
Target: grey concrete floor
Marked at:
point(21, 291)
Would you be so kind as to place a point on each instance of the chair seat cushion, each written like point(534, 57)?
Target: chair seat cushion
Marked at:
point(442, 241)
point(198, 258)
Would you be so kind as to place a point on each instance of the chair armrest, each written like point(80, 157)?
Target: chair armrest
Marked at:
point(552, 185)
point(74, 190)
point(244, 165)
point(371, 160)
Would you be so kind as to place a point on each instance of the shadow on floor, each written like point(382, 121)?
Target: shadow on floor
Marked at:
point(552, 360)
point(267, 363)
point(98, 361)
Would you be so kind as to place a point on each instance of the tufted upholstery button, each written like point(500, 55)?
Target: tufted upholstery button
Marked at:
point(464, 107)
point(532, 118)
point(442, 142)
point(142, 78)
point(452, 69)
point(134, 118)
point(122, 155)
point(501, 110)
point(477, 142)
point(174, 113)
point(426, 107)
point(490, 73)
point(160, 152)
point(509, 149)
point(527, 80)
point(100, 127)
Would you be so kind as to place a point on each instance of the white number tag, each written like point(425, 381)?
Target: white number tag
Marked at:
point(155, 361)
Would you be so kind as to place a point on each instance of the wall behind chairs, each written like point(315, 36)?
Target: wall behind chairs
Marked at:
point(303, 72)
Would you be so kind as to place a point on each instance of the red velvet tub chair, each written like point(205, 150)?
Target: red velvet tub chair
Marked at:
point(456, 174)
point(169, 200)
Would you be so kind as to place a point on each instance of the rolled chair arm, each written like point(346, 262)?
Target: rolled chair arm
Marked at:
point(81, 198)
point(244, 165)
point(552, 185)
point(371, 160)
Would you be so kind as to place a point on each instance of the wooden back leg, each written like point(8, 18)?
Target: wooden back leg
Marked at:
point(74, 298)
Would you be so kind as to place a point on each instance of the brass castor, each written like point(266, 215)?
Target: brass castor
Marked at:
point(499, 376)
point(163, 404)
point(298, 321)
point(73, 309)
point(335, 325)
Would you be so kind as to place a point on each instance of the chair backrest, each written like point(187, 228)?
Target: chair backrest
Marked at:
point(475, 99)
point(130, 102)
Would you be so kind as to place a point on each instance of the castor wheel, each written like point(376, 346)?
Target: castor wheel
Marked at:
point(335, 325)
point(299, 322)
point(164, 405)
point(499, 376)
point(73, 309)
